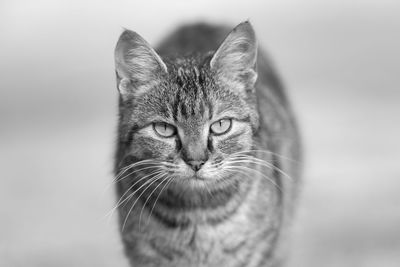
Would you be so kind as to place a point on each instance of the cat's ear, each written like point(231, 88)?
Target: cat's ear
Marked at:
point(235, 60)
point(137, 65)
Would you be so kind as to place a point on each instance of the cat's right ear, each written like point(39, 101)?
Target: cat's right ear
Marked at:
point(138, 66)
point(235, 59)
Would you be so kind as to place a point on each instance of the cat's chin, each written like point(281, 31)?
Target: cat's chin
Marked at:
point(200, 179)
point(198, 182)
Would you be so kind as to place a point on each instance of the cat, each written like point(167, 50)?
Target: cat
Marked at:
point(207, 154)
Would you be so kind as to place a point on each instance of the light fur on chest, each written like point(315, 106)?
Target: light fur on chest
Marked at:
point(226, 244)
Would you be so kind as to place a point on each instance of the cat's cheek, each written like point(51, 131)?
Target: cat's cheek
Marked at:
point(149, 146)
point(230, 146)
point(239, 139)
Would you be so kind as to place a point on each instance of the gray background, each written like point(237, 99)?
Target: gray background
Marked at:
point(340, 62)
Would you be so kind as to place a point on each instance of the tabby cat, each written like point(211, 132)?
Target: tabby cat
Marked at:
point(207, 155)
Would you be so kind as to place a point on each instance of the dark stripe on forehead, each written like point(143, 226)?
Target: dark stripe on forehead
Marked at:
point(191, 96)
point(210, 109)
point(164, 111)
point(187, 106)
point(202, 108)
point(183, 110)
point(175, 109)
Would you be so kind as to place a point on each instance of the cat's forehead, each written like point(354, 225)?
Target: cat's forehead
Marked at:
point(188, 70)
point(189, 94)
point(192, 88)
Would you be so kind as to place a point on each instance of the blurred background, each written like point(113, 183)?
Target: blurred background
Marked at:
point(58, 102)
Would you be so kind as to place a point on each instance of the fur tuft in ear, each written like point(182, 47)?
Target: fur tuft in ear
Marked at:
point(236, 58)
point(137, 65)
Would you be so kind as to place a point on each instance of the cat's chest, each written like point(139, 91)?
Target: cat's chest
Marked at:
point(203, 245)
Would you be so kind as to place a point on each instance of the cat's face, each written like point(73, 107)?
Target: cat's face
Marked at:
point(188, 119)
point(192, 131)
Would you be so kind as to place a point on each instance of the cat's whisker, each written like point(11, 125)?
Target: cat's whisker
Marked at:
point(165, 178)
point(121, 200)
point(272, 166)
point(169, 181)
point(135, 171)
point(221, 174)
point(150, 163)
point(246, 173)
point(154, 170)
point(262, 163)
point(244, 170)
point(155, 179)
point(137, 162)
point(126, 168)
point(159, 165)
point(208, 190)
point(129, 174)
point(143, 162)
point(223, 179)
point(226, 181)
point(244, 155)
point(123, 169)
point(252, 151)
point(155, 175)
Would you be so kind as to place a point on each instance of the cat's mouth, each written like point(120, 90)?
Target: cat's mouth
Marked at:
point(196, 177)
point(198, 180)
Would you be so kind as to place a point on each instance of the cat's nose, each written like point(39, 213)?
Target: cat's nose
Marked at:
point(196, 164)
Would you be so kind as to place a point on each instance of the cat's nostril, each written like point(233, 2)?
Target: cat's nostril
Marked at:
point(196, 164)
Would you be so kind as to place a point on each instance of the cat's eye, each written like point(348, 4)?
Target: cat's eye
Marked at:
point(221, 127)
point(164, 129)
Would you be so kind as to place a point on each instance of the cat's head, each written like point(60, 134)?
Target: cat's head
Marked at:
point(186, 118)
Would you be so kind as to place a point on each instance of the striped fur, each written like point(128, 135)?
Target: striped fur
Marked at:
point(235, 210)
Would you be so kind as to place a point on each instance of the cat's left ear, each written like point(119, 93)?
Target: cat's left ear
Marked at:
point(137, 65)
point(235, 60)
